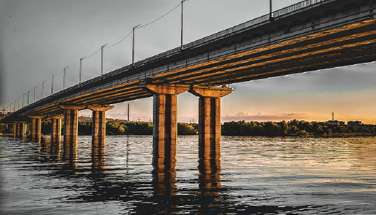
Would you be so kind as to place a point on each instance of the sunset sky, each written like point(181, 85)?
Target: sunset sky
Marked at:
point(38, 38)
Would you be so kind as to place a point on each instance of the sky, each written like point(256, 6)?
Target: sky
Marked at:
point(39, 38)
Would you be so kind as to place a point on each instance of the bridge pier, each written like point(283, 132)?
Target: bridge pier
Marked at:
point(98, 133)
point(70, 129)
point(165, 125)
point(20, 129)
point(36, 128)
point(56, 129)
point(209, 120)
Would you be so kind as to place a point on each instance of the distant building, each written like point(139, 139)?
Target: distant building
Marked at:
point(335, 122)
point(354, 123)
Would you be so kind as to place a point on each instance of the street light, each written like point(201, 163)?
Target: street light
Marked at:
point(182, 24)
point(42, 91)
point(102, 58)
point(270, 9)
point(35, 95)
point(52, 84)
point(80, 75)
point(64, 77)
point(134, 28)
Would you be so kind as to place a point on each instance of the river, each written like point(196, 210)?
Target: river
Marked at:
point(255, 175)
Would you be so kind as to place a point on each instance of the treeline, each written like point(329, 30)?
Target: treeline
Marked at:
point(239, 128)
point(115, 127)
point(295, 128)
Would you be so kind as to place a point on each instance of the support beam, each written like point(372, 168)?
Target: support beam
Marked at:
point(98, 134)
point(209, 120)
point(164, 125)
point(36, 128)
point(70, 130)
point(20, 129)
point(56, 129)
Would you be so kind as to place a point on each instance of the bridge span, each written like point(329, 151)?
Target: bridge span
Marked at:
point(307, 36)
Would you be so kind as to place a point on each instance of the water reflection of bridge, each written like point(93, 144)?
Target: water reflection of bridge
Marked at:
point(160, 195)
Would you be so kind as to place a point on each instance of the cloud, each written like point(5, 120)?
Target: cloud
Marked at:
point(260, 117)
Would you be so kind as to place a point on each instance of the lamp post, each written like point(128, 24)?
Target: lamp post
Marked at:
point(52, 85)
point(182, 24)
point(80, 74)
point(28, 97)
point(134, 28)
point(270, 9)
point(42, 91)
point(64, 77)
point(35, 95)
point(102, 58)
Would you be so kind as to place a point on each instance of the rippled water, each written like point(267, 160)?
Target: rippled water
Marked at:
point(254, 176)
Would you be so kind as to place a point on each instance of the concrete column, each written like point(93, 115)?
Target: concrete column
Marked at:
point(36, 128)
point(98, 135)
point(70, 130)
point(56, 129)
point(209, 120)
point(20, 129)
point(13, 129)
point(165, 125)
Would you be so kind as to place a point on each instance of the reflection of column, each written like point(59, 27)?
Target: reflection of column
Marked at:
point(210, 169)
point(209, 183)
point(36, 128)
point(98, 136)
point(70, 133)
point(164, 124)
point(164, 178)
point(209, 119)
point(56, 129)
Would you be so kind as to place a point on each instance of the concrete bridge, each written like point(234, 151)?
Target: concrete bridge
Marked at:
point(307, 36)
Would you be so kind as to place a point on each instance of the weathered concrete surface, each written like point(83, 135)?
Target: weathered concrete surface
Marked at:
point(56, 128)
point(20, 129)
point(98, 134)
point(210, 120)
point(36, 128)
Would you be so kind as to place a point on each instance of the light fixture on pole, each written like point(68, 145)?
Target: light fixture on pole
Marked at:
point(52, 85)
point(270, 9)
point(102, 58)
point(182, 24)
point(35, 95)
point(42, 91)
point(64, 77)
point(23, 99)
point(134, 28)
point(80, 74)
point(28, 97)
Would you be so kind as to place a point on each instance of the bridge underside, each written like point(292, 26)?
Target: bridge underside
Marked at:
point(352, 44)
point(325, 36)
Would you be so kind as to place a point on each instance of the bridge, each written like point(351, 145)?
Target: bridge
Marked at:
point(307, 36)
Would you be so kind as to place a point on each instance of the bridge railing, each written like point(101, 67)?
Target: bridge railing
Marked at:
point(295, 7)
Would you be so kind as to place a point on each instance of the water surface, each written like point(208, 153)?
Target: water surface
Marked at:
point(254, 176)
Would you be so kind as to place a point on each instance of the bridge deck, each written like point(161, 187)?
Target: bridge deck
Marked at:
point(327, 34)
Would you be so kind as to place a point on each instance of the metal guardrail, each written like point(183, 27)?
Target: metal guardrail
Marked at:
point(296, 7)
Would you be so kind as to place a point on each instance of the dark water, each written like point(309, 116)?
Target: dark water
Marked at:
point(254, 176)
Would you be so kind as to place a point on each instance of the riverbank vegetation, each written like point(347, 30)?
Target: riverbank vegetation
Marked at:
point(234, 128)
point(295, 128)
